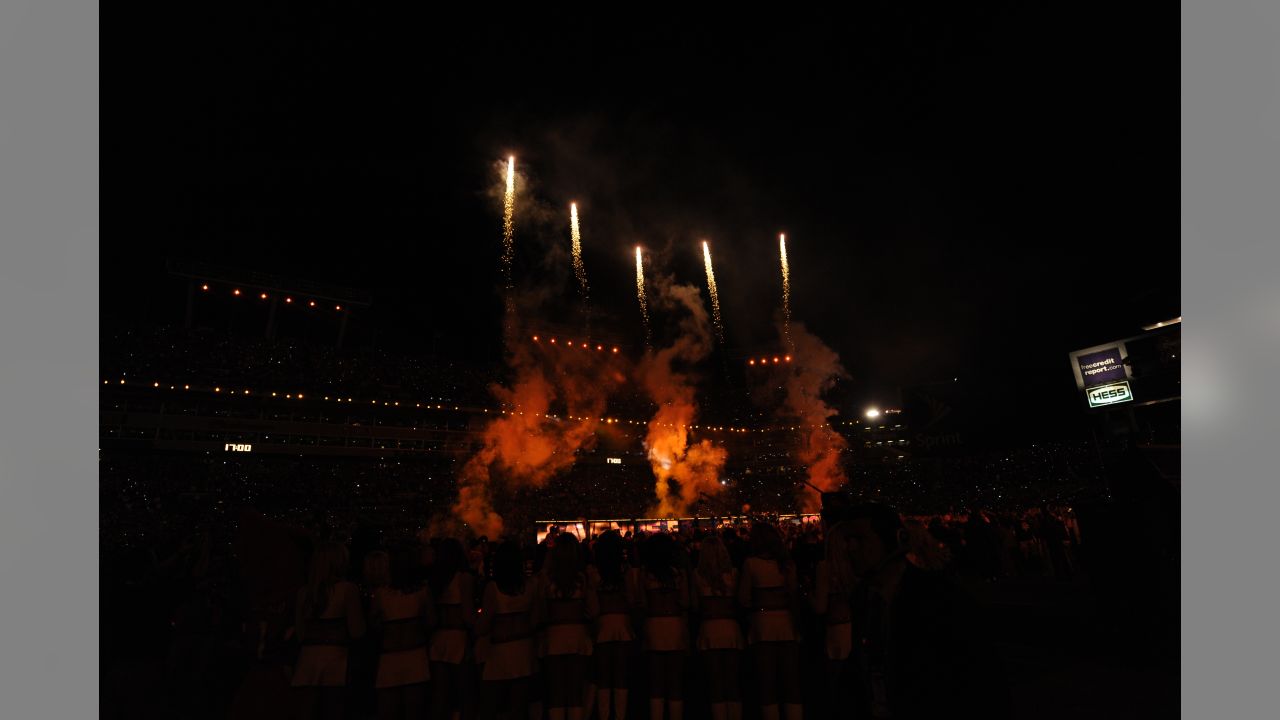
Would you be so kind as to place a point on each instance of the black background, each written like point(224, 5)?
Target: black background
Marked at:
point(967, 191)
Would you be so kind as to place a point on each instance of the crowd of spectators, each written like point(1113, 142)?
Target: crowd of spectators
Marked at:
point(174, 354)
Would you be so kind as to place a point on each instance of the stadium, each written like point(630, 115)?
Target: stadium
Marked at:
point(196, 413)
point(686, 403)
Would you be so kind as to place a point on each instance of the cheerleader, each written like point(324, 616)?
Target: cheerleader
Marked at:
point(328, 618)
point(832, 587)
point(767, 589)
point(719, 635)
point(666, 629)
point(566, 642)
point(505, 629)
point(452, 587)
point(610, 599)
point(401, 613)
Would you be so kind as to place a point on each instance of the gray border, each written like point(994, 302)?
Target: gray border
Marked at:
point(48, 359)
point(1230, 202)
point(48, 293)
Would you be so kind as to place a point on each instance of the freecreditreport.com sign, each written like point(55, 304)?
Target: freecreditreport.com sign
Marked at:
point(1102, 374)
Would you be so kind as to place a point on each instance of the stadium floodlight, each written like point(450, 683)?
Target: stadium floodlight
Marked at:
point(1164, 323)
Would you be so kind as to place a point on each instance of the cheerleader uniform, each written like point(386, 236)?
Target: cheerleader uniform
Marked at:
point(612, 612)
point(764, 590)
point(322, 661)
point(449, 641)
point(719, 629)
point(404, 657)
point(506, 643)
point(566, 630)
point(666, 629)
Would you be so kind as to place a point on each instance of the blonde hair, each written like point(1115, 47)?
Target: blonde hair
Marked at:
point(714, 563)
point(328, 564)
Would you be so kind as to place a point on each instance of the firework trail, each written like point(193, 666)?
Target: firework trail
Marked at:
point(508, 233)
point(786, 294)
point(579, 269)
point(644, 302)
point(715, 293)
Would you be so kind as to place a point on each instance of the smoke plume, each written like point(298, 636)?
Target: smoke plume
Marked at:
point(814, 371)
point(682, 471)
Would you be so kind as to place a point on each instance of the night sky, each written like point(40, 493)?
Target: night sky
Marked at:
point(966, 192)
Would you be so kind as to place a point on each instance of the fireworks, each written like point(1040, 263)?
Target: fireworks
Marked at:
point(508, 220)
point(579, 270)
point(644, 303)
point(715, 293)
point(786, 293)
point(509, 232)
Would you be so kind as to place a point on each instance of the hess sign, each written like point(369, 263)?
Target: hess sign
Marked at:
point(1109, 394)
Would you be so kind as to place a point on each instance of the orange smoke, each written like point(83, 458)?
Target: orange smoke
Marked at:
point(524, 445)
point(814, 372)
point(682, 472)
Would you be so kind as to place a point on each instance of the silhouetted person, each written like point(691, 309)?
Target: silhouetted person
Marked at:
point(768, 591)
point(402, 613)
point(328, 618)
point(506, 630)
point(452, 589)
point(917, 652)
point(664, 587)
point(611, 600)
point(565, 643)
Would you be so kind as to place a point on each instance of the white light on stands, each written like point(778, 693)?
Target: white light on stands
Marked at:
point(872, 413)
point(1165, 323)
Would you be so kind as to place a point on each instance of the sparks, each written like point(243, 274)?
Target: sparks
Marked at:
point(786, 292)
point(644, 303)
point(579, 269)
point(715, 293)
point(508, 229)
